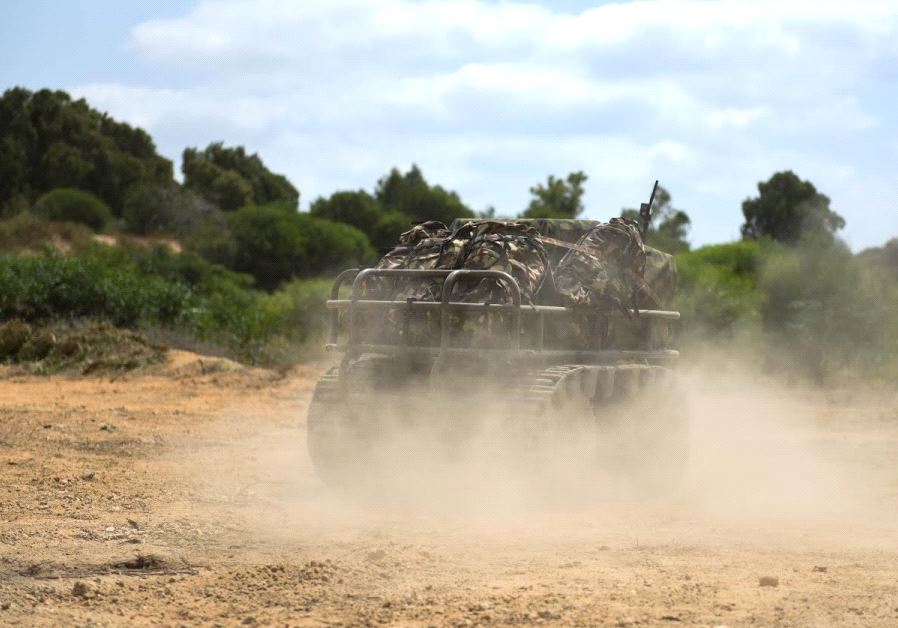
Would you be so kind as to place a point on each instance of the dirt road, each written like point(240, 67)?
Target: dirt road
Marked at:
point(186, 498)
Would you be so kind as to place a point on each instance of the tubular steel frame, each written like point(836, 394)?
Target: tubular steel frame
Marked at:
point(450, 278)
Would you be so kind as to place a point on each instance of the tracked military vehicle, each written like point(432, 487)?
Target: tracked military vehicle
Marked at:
point(546, 328)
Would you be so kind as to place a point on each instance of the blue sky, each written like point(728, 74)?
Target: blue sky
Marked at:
point(491, 97)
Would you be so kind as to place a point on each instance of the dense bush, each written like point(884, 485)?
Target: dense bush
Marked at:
point(158, 289)
point(168, 209)
point(274, 244)
point(70, 205)
point(332, 246)
point(270, 244)
point(811, 308)
point(718, 290)
point(54, 286)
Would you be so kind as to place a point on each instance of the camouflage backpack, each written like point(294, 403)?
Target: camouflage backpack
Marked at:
point(419, 247)
point(476, 245)
point(505, 246)
point(426, 246)
point(397, 257)
point(605, 268)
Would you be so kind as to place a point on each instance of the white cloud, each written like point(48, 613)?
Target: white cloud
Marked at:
point(490, 97)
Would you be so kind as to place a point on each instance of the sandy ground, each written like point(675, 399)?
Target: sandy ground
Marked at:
point(187, 497)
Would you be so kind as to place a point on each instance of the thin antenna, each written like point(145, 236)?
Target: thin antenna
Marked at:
point(645, 211)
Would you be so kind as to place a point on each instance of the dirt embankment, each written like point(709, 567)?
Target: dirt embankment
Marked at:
point(186, 497)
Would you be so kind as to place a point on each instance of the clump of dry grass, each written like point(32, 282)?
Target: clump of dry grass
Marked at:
point(83, 349)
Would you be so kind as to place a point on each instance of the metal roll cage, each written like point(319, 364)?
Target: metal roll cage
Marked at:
point(450, 278)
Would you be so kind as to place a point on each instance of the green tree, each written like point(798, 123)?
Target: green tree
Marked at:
point(356, 208)
point(410, 194)
point(558, 198)
point(48, 141)
point(70, 205)
point(787, 208)
point(364, 212)
point(669, 227)
point(231, 178)
point(389, 226)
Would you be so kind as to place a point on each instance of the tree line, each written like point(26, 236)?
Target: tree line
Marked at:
point(63, 160)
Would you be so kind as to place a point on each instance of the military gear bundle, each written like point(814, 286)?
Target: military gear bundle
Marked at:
point(605, 269)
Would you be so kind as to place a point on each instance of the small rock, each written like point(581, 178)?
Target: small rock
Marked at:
point(90, 475)
point(819, 569)
point(769, 581)
point(110, 529)
point(670, 618)
point(249, 621)
point(133, 524)
point(80, 589)
point(105, 427)
point(4, 606)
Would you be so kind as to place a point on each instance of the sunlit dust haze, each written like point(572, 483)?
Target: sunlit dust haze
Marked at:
point(766, 464)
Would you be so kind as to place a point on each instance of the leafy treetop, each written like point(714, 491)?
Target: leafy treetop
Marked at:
point(558, 198)
point(787, 208)
point(231, 179)
point(48, 140)
point(410, 194)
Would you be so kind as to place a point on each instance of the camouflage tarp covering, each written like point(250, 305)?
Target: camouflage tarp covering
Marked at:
point(396, 258)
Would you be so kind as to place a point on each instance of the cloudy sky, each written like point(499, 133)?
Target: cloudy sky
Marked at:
point(490, 97)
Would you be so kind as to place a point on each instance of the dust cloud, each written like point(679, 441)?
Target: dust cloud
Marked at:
point(765, 461)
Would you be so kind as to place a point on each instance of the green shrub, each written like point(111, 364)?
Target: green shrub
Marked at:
point(810, 307)
point(270, 244)
point(214, 243)
point(54, 286)
point(168, 209)
point(274, 243)
point(13, 334)
point(718, 289)
point(332, 246)
point(387, 229)
point(71, 205)
point(824, 312)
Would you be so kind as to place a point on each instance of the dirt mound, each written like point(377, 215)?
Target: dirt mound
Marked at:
point(94, 348)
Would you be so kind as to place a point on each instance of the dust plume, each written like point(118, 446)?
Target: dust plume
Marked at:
point(761, 458)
